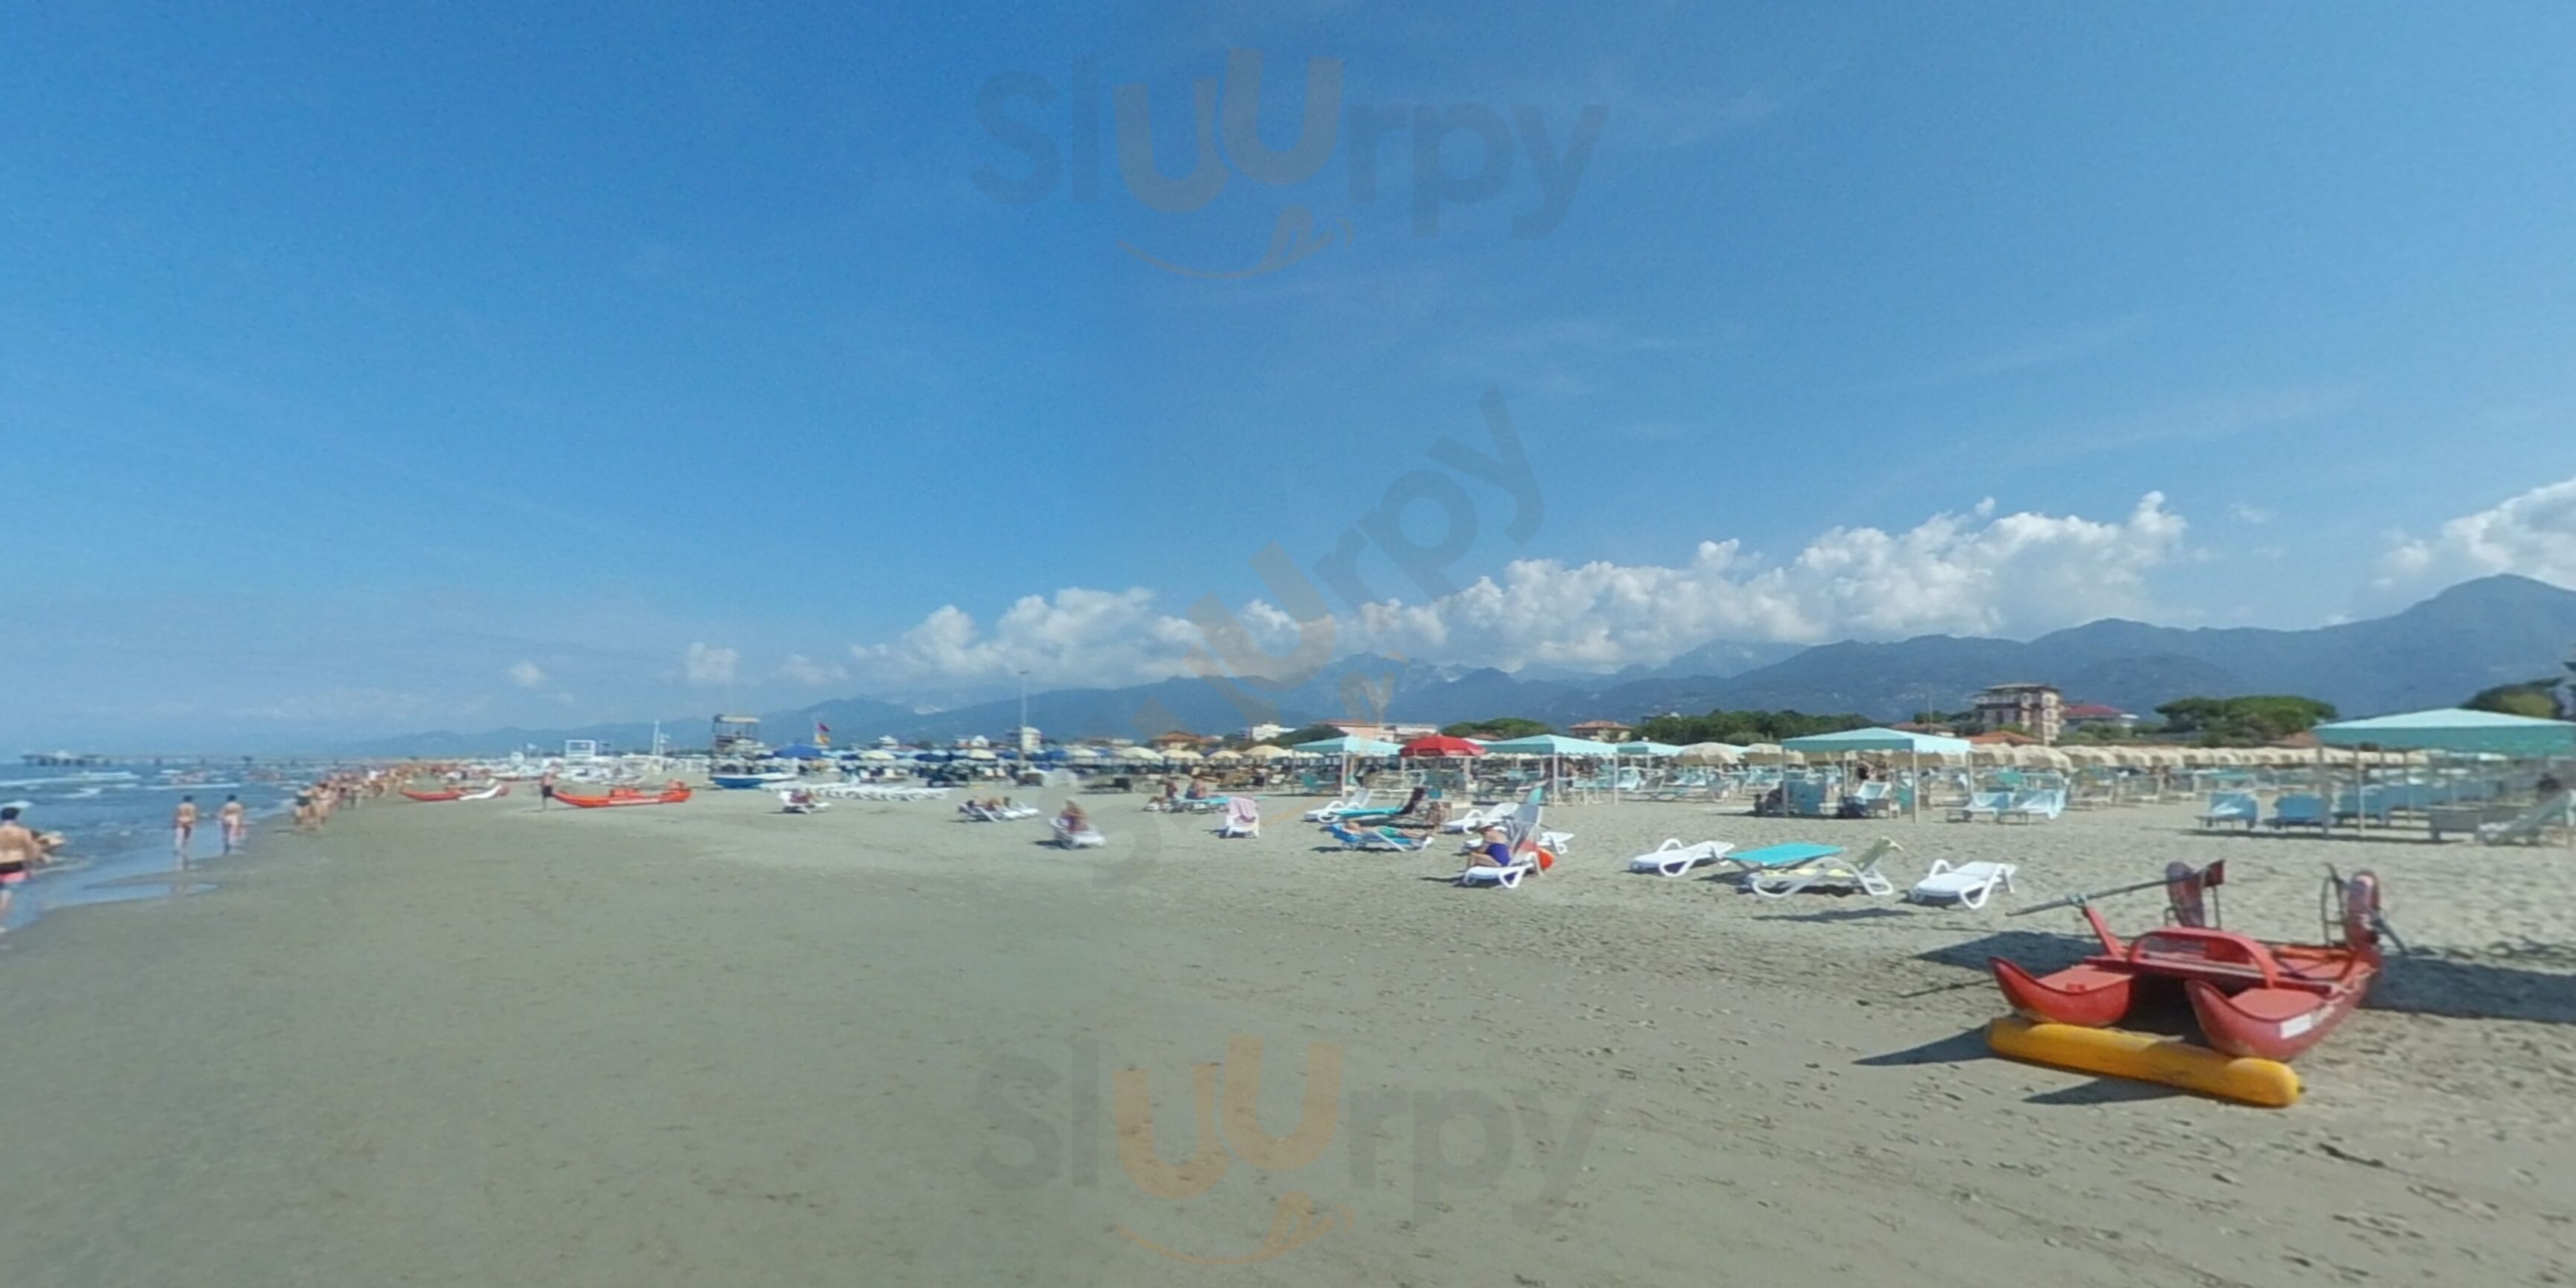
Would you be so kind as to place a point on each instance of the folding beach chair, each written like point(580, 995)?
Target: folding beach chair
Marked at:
point(1242, 817)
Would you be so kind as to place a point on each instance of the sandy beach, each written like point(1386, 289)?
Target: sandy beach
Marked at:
point(714, 1044)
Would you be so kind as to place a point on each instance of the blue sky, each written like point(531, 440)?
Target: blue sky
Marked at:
point(367, 372)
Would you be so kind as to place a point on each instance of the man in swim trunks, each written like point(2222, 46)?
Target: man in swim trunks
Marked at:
point(19, 855)
point(183, 825)
point(234, 821)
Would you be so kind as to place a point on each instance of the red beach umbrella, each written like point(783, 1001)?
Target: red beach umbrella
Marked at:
point(1440, 745)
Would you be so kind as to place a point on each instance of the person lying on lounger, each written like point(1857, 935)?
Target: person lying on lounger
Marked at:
point(1073, 819)
point(1433, 818)
point(1495, 852)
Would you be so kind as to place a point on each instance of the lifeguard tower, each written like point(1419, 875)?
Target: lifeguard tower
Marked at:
point(737, 736)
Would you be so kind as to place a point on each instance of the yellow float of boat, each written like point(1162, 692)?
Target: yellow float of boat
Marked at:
point(2147, 1058)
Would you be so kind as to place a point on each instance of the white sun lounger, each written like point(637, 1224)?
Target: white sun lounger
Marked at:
point(1969, 884)
point(1073, 840)
point(1507, 877)
point(1673, 858)
point(2534, 824)
point(1331, 810)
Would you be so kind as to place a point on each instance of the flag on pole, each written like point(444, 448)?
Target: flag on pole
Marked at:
point(822, 734)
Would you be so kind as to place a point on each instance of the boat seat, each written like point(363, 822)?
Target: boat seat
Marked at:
point(2089, 976)
point(2273, 1005)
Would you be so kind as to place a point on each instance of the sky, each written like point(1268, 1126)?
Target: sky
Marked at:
point(497, 364)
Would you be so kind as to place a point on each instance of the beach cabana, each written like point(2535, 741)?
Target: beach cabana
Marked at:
point(1915, 746)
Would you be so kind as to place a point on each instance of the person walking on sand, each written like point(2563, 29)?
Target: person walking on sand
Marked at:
point(19, 854)
point(183, 828)
point(233, 821)
point(545, 791)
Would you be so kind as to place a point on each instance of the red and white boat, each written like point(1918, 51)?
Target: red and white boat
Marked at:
point(434, 797)
point(2252, 998)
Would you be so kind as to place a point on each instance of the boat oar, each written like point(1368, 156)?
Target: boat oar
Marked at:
point(2079, 900)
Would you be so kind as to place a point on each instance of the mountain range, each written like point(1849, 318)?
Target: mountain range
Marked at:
point(2495, 630)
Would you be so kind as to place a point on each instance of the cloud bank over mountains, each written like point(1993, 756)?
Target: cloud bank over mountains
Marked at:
point(1978, 572)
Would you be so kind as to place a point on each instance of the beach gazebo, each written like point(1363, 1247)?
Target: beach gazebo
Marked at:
point(1348, 748)
point(1554, 746)
point(2451, 730)
point(1915, 746)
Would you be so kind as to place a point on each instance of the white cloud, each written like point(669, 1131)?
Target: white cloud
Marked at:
point(2251, 514)
point(805, 670)
point(1079, 637)
point(1975, 573)
point(1972, 574)
point(704, 665)
point(2533, 534)
point(527, 675)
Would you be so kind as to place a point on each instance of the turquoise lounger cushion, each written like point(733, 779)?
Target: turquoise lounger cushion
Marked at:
point(1773, 856)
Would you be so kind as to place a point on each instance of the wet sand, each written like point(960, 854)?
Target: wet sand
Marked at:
point(476, 1044)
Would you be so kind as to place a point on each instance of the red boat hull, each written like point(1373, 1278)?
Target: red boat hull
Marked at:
point(624, 796)
point(2264, 1000)
point(433, 796)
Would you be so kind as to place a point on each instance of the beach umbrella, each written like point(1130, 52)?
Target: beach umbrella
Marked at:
point(1183, 755)
point(1712, 753)
point(1440, 745)
point(1139, 753)
point(1265, 751)
point(1226, 754)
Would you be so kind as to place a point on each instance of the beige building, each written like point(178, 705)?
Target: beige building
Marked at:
point(2036, 709)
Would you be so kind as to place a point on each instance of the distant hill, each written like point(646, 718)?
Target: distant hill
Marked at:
point(2495, 630)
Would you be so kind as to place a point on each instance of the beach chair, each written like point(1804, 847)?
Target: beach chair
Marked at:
point(2033, 806)
point(1508, 876)
point(1981, 804)
point(1073, 840)
point(1968, 885)
point(1876, 798)
point(2227, 808)
point(1673, 858)
point(1473, 819)
point(1353, 838)
point(1337, 807)
point(1770, 858)
point(2369, 805)
point(1242, 817)
point(1834, 873)
point(2298, 809)
point(2533, 825)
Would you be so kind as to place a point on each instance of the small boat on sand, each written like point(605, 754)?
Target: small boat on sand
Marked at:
point(2270, 1001)
point(672, 793)
point(434, 796)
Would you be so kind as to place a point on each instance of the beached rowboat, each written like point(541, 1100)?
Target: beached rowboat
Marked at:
point(2252, 998)
point(433, 796)
point(671, 794)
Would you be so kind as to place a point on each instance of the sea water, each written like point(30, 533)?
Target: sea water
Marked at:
point(118, 820)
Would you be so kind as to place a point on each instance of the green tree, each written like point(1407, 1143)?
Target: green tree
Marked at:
point(1311, 733)
point(1496, 729)
point(2244, 720)
point(2531, 698)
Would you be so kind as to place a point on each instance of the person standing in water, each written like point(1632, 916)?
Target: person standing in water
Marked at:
point(233, 821)
point(19, 854)
point(183, 827)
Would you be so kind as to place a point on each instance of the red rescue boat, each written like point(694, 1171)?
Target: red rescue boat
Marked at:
point(433, 796)
point(672, 793)
point(2252, 998)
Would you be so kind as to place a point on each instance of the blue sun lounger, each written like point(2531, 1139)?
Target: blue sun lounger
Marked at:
point(1787, 854)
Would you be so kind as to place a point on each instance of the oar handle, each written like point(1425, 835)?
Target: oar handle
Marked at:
point(2079, 900)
